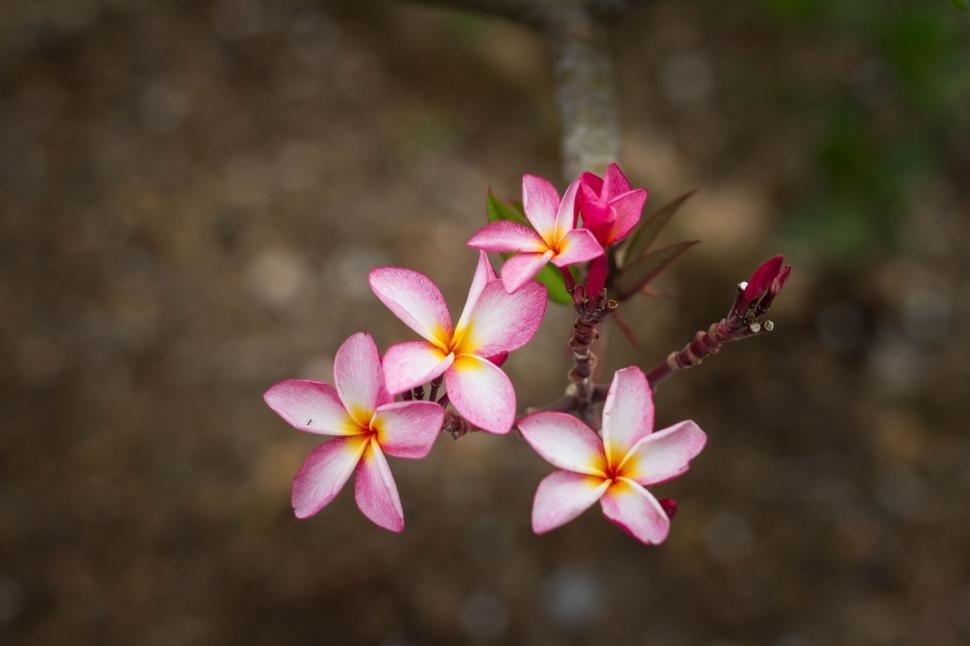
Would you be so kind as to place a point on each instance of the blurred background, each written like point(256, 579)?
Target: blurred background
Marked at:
point(192, 194)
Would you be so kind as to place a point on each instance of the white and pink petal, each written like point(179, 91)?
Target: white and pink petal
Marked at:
point(506, 236)
point(359, 377)
point(324, 473)
point(562, 496)
point(520, 269)
point(540, 201)
point(484, 274)
point(627, 413)
point(565, 442)
point(482, 393)
point(408, 429)
point(579, 245)
point(415, 299)
point(375, 491)
point(664, 455)
point(502, 321)
point(566, 214)
point(634, 510)
point(413, 363)
point(311, 406)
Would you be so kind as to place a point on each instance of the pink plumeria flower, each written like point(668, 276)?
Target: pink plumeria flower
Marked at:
point(610, 206)
point(367, 423)
point(615, 468)
point(553, 238)
point(492, 324)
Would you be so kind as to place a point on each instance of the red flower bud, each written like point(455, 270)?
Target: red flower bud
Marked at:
point(765, 283)
point(670, 506)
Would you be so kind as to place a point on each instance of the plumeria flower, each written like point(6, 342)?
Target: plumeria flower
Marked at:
point(492, 324)
point(553, 238)
point(610, 208)
point(367, 423)
point(609, 205)
point(615, 468)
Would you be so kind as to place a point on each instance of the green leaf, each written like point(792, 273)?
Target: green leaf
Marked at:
point(555, 285)
point(960, 4)
point(497, 210)
point(641, 271)
point(650, 227)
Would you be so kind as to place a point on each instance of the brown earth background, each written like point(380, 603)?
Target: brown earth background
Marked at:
point(193, 192)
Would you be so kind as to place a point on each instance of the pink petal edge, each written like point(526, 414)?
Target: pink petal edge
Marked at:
point(310, 406)
point(413, 363)
point(415, 299)
point(565, 442)
point(634, 510)
point(376, 492)
point(408, 429)
point(562, 496)
point(359, 377)
point(503, 321)
point(324, 473)
point(482, 393)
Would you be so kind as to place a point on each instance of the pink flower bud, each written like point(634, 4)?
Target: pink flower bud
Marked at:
point(765, 283)
point(670, 506)
point(610, 207)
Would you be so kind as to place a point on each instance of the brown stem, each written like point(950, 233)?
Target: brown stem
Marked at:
point(435, 385)
point(589, 314)
point(705, 343)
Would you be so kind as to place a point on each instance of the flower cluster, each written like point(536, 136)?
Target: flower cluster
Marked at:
point(376, 406)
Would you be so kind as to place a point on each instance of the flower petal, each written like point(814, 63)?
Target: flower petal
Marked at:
point(598, 217)
point(408, 429)
point(664, 455)
point(540, 201)
point(413, 363)
point(311, 406)
point(324, 473)
point(579, 245)
point(520, 269)
point(628, 208)
point(565, 442)
point(591, 181)
point(562, 496)
point(484, 274)
point(627, 413)
point(482, 393)
point(507, 236)
point(375, 491)
point(359, 377)
point(634, 510)
point(503, 322)
point(566, 214)
point(414, 299)
point(614, 182)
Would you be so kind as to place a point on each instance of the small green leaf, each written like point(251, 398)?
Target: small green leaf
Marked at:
point(555, 285)
point(651, 226)
point(960, 4)
point(641, 271)
point(497, 210)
